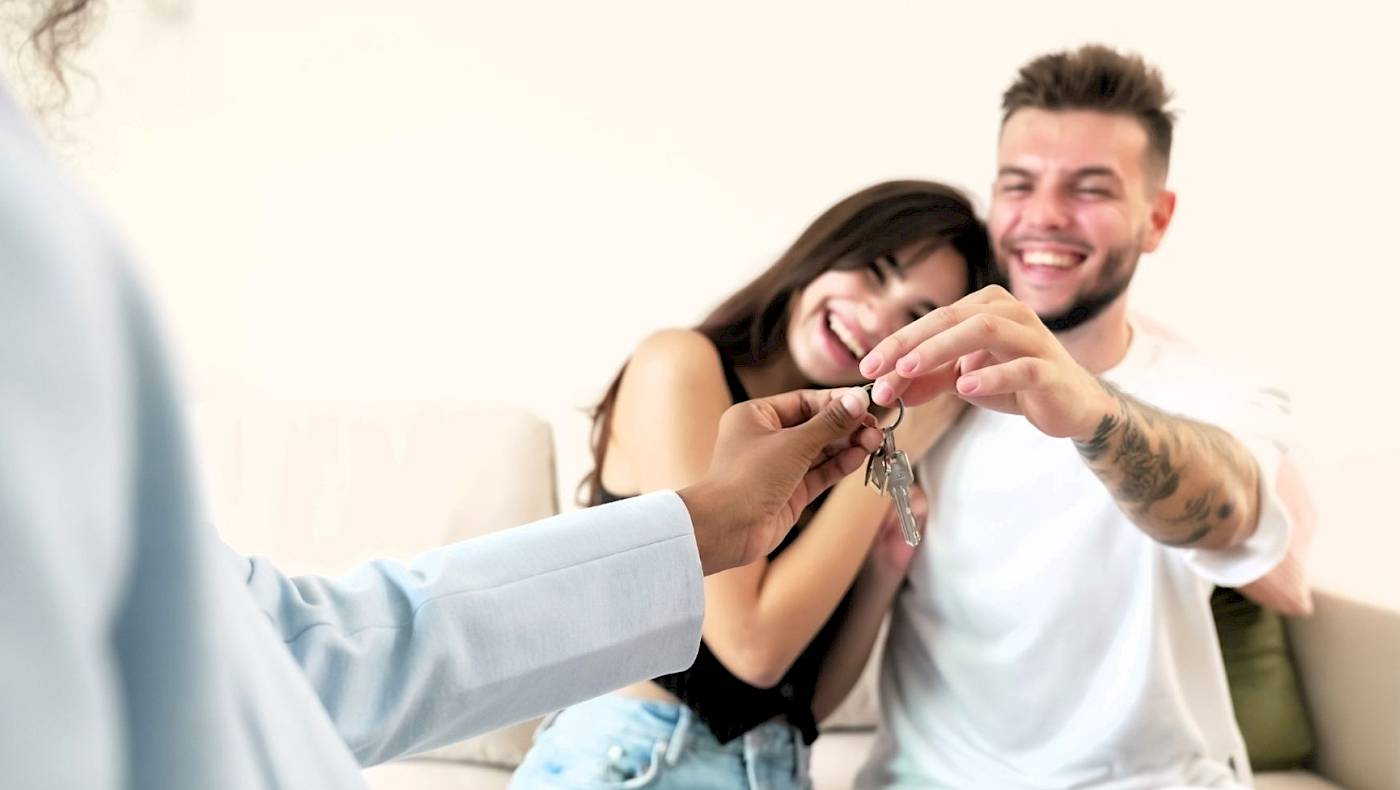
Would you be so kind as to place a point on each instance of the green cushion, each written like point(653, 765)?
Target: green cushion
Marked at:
point(1263, 682)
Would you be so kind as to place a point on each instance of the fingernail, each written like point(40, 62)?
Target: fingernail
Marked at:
point(854, 401)
point(968, 384)
point(870, 366)
point(882, 394)
point(908, 365)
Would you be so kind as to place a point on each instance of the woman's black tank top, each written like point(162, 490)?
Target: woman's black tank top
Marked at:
point(729, 706)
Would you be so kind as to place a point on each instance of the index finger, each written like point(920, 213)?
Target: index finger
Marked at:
point(887, 352)
point(915, 391)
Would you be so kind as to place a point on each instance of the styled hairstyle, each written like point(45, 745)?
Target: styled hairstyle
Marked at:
point(1096, 77)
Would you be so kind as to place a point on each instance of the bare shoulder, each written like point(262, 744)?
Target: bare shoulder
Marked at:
point(673, 374)
point(667, 413)
point(678, 349)
point(676, 362)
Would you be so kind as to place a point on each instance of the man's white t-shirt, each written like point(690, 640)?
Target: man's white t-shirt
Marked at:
point(1043, 640)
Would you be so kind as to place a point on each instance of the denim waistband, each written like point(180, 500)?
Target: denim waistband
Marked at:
point(677, 731)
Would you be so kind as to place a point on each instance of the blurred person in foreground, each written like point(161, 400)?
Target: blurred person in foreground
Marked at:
point(136, 651)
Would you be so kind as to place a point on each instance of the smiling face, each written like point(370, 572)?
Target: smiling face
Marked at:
point(1077, 200)
point(842, 314)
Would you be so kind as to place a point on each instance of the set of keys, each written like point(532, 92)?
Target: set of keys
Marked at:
point(889, 471)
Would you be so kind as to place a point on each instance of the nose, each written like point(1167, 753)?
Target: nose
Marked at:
point(868, 314)
point(877, 314)
point(1046, 209)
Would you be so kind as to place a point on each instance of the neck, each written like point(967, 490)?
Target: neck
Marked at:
point(1100, 344)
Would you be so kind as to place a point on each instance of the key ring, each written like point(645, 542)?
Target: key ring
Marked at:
point(870, 396)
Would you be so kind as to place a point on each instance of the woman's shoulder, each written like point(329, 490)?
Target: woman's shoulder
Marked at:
point(677, 345)
point(677, 355)
point(681, 366)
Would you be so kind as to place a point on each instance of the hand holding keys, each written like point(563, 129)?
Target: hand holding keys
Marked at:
point(889, 471)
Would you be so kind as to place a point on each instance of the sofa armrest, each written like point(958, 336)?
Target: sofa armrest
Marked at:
point(1348, 653)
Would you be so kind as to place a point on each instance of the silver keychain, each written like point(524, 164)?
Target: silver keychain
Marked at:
point(889, 471)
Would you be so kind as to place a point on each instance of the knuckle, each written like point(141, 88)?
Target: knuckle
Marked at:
point(837, 419)
point(733, 414)
point(950, 315)
point(1035, 373)
point(892, 346)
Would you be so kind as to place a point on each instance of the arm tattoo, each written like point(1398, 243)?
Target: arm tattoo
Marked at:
point(1095, 447)
point(1147, 474)
point(1179, 480)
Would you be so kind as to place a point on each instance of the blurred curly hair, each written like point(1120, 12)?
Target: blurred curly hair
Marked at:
point(57, 29)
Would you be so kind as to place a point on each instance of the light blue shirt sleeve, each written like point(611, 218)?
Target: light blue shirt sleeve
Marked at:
point(495, 630)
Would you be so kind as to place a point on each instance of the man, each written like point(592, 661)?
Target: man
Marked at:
point(136, 651)
point(1056, 631)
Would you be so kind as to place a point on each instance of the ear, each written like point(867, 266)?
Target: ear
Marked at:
point(1163, 207)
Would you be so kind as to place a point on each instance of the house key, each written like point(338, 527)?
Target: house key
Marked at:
point(889, 471)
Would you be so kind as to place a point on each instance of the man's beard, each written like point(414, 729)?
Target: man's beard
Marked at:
point(1118, 268)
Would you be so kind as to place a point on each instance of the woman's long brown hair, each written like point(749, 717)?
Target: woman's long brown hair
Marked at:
point(750, 326)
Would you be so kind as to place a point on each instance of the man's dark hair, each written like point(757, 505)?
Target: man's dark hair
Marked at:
point(1096, 77)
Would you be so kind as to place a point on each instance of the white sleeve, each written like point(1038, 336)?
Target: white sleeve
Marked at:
point(1260, 421)
point(495, 630)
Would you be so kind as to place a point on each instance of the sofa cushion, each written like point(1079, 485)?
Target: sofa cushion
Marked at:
point(1263, 683)
point(320, 486)
point(1348, 652)
point(436, 775)
point(1292, 780)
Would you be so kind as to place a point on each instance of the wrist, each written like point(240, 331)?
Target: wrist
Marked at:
point(714, 538)
point(1100, 419)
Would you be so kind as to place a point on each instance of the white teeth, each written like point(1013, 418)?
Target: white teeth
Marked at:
point(1059, 260)
point(845, 336)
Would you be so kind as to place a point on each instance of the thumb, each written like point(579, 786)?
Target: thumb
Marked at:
point(836, 421)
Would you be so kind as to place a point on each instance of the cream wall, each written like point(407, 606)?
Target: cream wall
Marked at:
point(497, 200)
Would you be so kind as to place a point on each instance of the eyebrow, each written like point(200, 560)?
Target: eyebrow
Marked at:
point(1096, 171)
point(1009, 170)
point(1092, 171)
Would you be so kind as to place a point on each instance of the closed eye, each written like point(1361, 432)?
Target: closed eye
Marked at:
point(921, 309)
point(873, 269)
point(883, 266)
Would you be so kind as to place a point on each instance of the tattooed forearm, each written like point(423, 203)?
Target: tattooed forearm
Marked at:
point(1183, 482)
point(1189, 540)
point(1095, 447)
point(1147, 475)
point(1199, 508)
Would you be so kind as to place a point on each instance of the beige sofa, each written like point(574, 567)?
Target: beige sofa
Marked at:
point(320, 486)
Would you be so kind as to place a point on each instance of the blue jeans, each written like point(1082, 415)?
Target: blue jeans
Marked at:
point(617, 742)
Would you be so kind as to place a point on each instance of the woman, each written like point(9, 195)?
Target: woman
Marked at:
point(784, 639)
